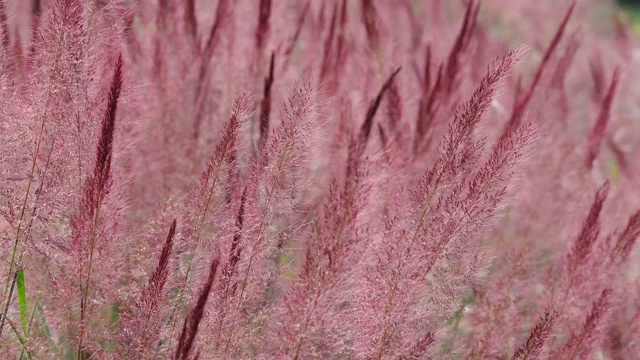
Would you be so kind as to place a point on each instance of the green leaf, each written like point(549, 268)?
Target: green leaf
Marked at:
point(614, 170)
point(22, 301)
point(115, 314)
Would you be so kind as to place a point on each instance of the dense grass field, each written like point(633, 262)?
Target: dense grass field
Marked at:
point(319, 179)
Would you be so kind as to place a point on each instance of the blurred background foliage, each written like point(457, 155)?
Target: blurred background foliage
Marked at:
point(631, 13)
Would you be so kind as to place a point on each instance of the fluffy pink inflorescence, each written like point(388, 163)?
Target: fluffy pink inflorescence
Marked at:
point(321, 179)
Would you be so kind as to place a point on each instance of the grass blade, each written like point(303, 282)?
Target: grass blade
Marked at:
point(22, 340)
point(22, 301)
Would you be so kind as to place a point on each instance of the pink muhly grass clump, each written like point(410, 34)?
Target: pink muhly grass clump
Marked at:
point(318, 180)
